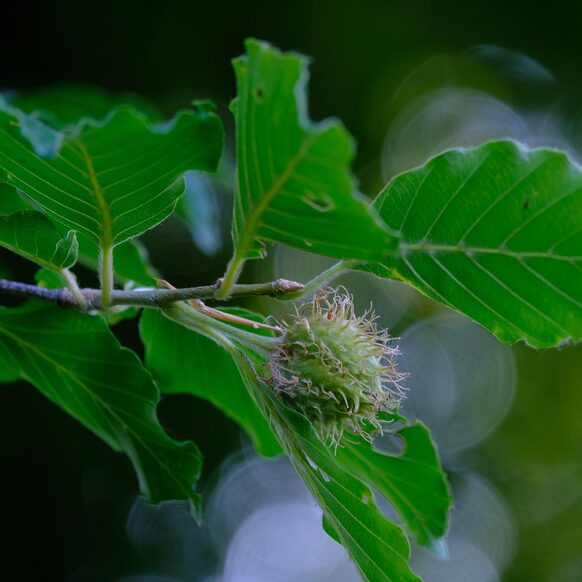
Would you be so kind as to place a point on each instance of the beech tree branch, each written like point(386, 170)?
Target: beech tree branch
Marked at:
point(144, 297)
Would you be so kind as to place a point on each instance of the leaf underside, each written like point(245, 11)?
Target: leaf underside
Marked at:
point(75, 360)
point(32, 235)
point(378, 546)
point(413, 481)
point(110, 180)
point(495, 233)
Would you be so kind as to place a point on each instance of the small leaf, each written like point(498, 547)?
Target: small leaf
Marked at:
point(110, 180)
point(413, 482)
point(294, 184)
point(183, 361)
point(495, 233)
point(33, 236)
point(76, 362)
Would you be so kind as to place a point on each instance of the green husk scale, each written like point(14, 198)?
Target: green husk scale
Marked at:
point(336, 368)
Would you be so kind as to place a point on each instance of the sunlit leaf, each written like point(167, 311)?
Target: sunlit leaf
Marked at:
point(78, 363)
point(294, 184)
point(131, 257)
point(495, 233)
point(33, 236)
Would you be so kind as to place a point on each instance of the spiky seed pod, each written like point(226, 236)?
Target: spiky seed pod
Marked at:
point(336, 368)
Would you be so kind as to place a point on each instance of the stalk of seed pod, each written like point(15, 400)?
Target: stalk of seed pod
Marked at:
point(336, 368)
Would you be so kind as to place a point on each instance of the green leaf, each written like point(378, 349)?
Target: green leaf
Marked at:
point(66, 104)
point(294, 184)
point(413, 482)
point(183, 361)
point(10, 200)
point(33, 236)
point(110, 180)
point(378, 547)
point(78, 363)
point(493, 232)
point(50, 279)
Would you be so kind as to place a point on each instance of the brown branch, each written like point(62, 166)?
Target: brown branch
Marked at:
point(145, 297)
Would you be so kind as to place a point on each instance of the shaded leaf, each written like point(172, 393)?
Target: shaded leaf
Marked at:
point(33, 236)
point(495, 233)
point(78, 363)
point(131, 257)
point(294, 184)
point(50, 279)
point(66, 104)
point(110, 180)
point(4, 272)
point(413, 481)
point(185, 362)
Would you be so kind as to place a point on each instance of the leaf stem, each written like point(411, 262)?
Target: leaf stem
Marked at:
point(231, 276)
point(106, 272)
point(74, 288)
point(322, 279)
point(200, 322)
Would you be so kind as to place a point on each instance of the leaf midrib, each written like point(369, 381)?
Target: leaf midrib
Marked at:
point(253, 222)
point(299, 456)
point(387, 481)
point(99, 193)
point(466, 249)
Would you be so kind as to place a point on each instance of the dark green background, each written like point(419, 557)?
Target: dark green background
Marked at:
point(64, 494)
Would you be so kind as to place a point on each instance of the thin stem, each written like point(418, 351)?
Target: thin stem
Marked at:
point(231, 276)
point(31, 291)
point(198, 321)
point(144, 297)
point(153, 297)
point(106, 272)
point(96, 299)
point(74, 288)
point(322, 279)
